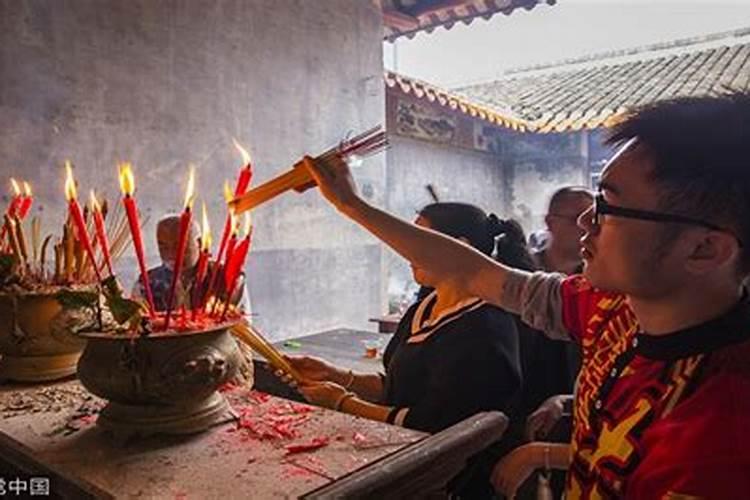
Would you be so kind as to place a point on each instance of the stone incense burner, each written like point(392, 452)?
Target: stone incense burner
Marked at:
point(162, 382)
point(37, 339)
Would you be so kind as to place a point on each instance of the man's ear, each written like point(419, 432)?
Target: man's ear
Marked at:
point(711, 251)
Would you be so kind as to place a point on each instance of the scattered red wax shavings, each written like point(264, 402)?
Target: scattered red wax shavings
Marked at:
point(270, 426)
point(359, 439)
point(301, 408)
point(314, 444)
point(258, 397)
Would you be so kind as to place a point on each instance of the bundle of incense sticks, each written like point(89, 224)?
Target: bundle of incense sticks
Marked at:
point(252, 337)
point(298, 178)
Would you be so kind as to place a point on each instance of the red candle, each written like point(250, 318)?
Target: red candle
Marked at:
point(127, 185)
point(243, 181)
point(77, 216)
point(101, 233)
point(17, 199)
point(185, 220)
point(236, 262)
point(246, 174)
point(205, 255)
point(13, 206)
point(25, 204)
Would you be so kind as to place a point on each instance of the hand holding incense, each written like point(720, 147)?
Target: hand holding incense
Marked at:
point(298, 178)
point(77, 216)
point(127, 185)
point(185, 220)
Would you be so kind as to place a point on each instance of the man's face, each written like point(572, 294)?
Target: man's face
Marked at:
point(631, 256)
point(167, 235)
point(562, 221)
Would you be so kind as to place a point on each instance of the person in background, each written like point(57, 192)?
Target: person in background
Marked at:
point(663, 396)
point(561, 250)
point(160, 278)
point(550, 366)
point(451, 357)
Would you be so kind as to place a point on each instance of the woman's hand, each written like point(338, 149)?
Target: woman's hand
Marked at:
point(326, 394)
point(515, 468)
point(315, 369)
point(334, 179)
point(543, 420)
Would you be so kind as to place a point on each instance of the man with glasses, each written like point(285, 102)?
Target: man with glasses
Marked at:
point(663, 397)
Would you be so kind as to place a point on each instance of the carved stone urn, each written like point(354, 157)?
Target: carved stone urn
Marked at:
point(161, 382)
point(37, 336)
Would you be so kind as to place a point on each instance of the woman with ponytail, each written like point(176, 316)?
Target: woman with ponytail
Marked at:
point(452, 355)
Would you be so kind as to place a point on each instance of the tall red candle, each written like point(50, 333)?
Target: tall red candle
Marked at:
point(243, 181)
point(101, 233)
point(25, 204)
point(205, 255)
point(185, 220)
point(246, 174)
point(12, 207)
point(236, 262)
point(17, 199)
point(127, 185)
point(77, 216)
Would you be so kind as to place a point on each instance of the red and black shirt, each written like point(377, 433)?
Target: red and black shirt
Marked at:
point(661, 417)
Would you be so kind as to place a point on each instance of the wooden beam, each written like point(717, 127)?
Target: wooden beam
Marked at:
point(399, 20)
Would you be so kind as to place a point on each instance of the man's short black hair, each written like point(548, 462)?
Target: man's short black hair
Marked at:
point(701, 152)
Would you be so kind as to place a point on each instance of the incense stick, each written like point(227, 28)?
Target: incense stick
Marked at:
point(370, 142)
point(251, 337)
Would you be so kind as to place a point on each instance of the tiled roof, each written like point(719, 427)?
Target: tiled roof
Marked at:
point(594, 91)
point(423, 90)
point(408, 17)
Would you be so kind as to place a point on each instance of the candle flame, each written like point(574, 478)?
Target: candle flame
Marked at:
point(127, 180)
point(94, 202)
point(234, 223)
point(27, 189)
point(70, 183)
point(16, 189)
point(248, 224)
point(228, 193)
point(205, 231)
point(190, 189)
point(243, 152)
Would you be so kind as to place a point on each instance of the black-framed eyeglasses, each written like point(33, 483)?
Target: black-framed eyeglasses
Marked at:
point(601, 207)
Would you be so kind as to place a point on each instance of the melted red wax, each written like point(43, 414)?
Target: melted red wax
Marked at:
point(314, 444)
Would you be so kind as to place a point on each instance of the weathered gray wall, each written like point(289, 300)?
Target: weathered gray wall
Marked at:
point(164, 83)
point(539, 164)
point(458, 174)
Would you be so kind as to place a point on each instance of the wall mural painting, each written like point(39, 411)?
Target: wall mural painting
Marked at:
point(487, 138)
point(423, 122)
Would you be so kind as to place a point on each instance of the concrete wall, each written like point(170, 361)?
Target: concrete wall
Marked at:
point(164, 83)
point(458, 175)
point(539, 164)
